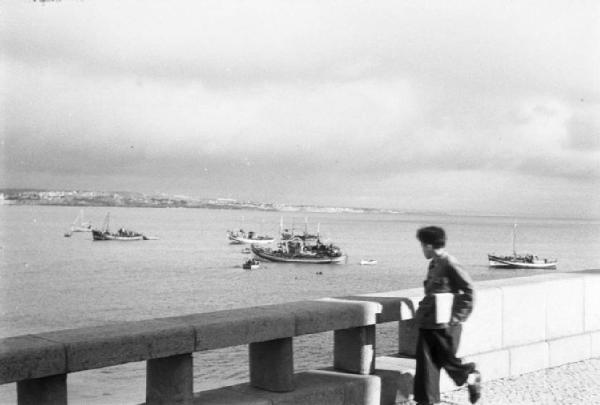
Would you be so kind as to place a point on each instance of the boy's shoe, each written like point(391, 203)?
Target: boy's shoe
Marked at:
point(474, 386)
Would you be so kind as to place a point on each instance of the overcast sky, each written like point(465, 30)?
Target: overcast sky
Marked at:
point(458, 106)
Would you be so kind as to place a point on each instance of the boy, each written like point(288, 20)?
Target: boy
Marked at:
point(438, 339)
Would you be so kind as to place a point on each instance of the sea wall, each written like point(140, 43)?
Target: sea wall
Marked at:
point(518, 325)
point(521, 325)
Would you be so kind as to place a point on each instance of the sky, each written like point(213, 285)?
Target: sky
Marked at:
point(468, 107)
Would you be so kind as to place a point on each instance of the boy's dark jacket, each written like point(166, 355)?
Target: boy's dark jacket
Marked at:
point(445, 275)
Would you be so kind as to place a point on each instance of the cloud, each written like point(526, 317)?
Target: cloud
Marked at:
point(256, 41)
point(354, 91)
point(584, 132)
point(369, 127)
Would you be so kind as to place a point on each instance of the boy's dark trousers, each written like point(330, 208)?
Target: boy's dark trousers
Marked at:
point(436, 348)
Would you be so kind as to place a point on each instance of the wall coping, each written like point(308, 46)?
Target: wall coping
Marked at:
point(63, 351)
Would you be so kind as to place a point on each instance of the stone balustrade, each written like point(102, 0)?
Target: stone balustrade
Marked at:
point(39, 363)
point(518, 325)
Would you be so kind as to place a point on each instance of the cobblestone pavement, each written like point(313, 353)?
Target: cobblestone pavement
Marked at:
point(575, 383)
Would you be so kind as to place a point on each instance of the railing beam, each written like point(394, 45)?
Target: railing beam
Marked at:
point(272, 365)
point(50, 390)
point(169, 380)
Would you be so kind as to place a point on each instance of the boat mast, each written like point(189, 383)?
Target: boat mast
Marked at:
point(106, 220)
point(76, 221)
point(514, 238)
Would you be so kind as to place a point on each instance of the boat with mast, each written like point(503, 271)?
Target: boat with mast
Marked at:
point(121, 235)
point(520, 261)
point(79, 225)
point(243, 237)
point(301, 248)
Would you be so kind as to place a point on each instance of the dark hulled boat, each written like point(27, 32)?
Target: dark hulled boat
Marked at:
point(301, 248)
point(121, 235)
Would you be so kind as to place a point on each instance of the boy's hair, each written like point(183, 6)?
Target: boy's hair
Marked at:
point(432, 235)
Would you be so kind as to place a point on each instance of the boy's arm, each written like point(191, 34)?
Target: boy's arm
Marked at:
point(463, 287)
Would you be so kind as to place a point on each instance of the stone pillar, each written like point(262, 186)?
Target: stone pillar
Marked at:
point(169, 380)
point(354, 350)
point(272, 365)
point(408, 333)
point(50, 390)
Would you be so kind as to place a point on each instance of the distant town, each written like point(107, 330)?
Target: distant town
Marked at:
point(133, 199)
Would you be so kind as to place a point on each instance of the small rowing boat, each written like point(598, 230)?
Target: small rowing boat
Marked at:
point(251, 264)
point(368, 262)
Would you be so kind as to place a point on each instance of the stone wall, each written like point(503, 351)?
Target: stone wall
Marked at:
point(518, 325)
point(521, 325)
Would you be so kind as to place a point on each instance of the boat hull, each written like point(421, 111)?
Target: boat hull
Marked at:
point(80, 229)
point(520, 261)
point(238, 239)
point(98, 235)
point(512, 263)
point(276, 257)
point(368, 262)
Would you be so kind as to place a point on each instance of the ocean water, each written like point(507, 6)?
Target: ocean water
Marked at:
point(49, 282)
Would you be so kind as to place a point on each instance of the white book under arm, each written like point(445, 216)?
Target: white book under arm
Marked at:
point(443, 307)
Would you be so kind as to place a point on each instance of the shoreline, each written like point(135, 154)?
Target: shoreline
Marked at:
point(79, 198)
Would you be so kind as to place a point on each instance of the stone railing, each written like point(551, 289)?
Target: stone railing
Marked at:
point(39, 363)
point(518, 325)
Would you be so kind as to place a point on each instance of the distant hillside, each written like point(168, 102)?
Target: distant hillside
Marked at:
point(132, 199)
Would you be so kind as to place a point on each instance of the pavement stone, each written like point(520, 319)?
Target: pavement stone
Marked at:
point(574, 383)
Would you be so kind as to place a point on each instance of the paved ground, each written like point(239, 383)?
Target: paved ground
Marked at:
point(575, 383)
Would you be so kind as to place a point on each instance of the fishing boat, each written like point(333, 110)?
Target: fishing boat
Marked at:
point(251, 264)
point(121, 235)
point(242, 237)
point(301, 248)
point(520, 261)
point(79, 225)
point(295, 250)
point(368, 262)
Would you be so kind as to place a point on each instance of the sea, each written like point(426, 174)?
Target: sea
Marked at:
point(51, 282)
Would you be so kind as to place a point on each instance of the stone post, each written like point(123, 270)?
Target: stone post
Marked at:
point(50, 390)
point(169, 380)
point(354, 350)
point(408, 333)
point(272, 365)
